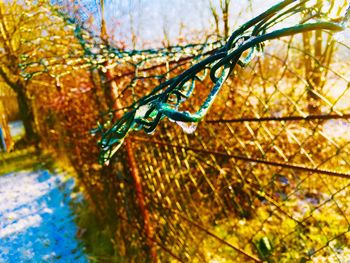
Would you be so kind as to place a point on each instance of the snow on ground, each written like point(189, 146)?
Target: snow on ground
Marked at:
point(36, 223)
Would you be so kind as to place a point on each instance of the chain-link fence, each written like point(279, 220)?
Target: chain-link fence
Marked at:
point(263, 177)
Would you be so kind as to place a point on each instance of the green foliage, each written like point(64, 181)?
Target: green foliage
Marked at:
point(97, 237)
point(264, 248)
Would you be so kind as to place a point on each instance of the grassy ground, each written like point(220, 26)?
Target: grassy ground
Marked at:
point(24, 159)
point(96, 236)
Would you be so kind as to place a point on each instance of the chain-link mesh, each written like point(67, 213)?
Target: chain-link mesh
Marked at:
point(263, 177)
point(260, 177)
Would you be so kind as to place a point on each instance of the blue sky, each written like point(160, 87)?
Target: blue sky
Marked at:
point(151, 18)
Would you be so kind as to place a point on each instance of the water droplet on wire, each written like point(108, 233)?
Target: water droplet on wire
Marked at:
point(188, 127)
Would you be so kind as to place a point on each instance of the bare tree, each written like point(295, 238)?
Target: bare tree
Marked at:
point(318, 50)
point(10, 29)
point(221, 17)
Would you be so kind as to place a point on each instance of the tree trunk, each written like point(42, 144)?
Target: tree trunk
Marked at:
point(6, 140)
point(27, 117)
